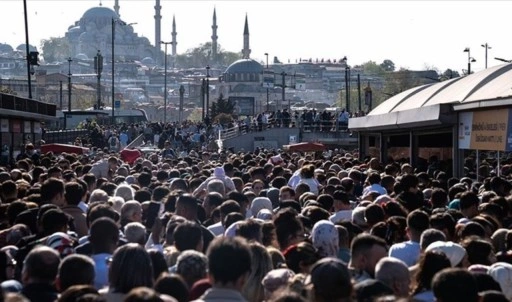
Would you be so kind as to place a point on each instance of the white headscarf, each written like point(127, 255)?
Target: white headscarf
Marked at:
point(325, 238)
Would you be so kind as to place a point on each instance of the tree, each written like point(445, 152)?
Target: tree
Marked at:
point(388, 65)
point(202, 55)
point(55, 49)
point(371, 67)
point(222, 106)
point(449, 74)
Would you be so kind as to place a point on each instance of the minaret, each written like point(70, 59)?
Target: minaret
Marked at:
point(116, 8)
point(214, 35)
point(174, 33)
point(246, 52)
point(158, 19)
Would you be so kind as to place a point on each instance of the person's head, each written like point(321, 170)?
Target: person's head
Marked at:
point(125, 191)
point(261, 264)
point(41, 266)
point(104, 234)
point(395, 274)
point(75, 269)
point(131, 267)
point(454, 251)
point(431, 235)
point(192, 266)
point(469, 204)
point(135, 232)
point(417, 222)
point(79, 293)
point(216, 186)
point(479, 251)
point(173, 285)
point(52, 191)
point(501, 272)
point(453, 285)
point(188, 235)
point(429, 264)
point(143, 294)
point(438, 198)
point(289, 228)
point(131, 211)
point(233, 251)
point(331, 280)
point(366, 251)
point(211, 201)
point(325, 238)
point(186, 206)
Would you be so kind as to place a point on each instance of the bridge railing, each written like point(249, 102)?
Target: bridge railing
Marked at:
point(306, 126)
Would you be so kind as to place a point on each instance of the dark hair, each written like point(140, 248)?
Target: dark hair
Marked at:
point(142, 294)
point(363, 243)
point(42, 263)
point(187, 236)
point(80, 293)
point(142, 195)
point(326, 201)
point(468, 199)
point(76, 269)
point(73, 193)
point(104, 234)
point(131, 267)
point(50, 188)
point(373, 214)
point(418, 221)
point(429, 264)
point(160, 193)
point(478, 250)
point(173, 285)
point(225, 250)
point(455, 284)
point(158, 261)
point(303, 253)
point(442, 221)
point(287, 225)
point(439, 198)
point(251, 230)
point(408, 181)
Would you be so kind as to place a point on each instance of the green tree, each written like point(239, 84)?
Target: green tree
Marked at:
point(55, 49)
point(449, 74)
point(7, 90)
point(221, 106)
point(371, 67)
point(387, 65)
point(202, 55)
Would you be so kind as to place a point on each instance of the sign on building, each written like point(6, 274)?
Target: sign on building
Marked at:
point(486, 130)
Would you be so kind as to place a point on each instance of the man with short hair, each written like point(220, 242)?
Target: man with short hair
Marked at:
point(52, 191)
point(342, 207)
point(409, 251)
point(229, 263)
point(186, 206)
point(75, 270)
point(454, 285)
point(469, 204)
point(366, 251)
point(395, 274)
point(104, 237)
point(38, 275)
point(72, 197)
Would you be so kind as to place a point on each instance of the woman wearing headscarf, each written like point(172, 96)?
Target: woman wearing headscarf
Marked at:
point(325, 238)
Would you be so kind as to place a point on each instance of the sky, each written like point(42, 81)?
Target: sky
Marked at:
point(413, 34)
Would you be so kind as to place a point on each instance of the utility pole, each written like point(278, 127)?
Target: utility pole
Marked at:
point(27, 48)
point(60, 94)
point(69, 83)
point(359, 90)
point(165, 80)
point(347, 88)
point(283, 86)
point(98, 68)
point(182, 94)
point(207, 89)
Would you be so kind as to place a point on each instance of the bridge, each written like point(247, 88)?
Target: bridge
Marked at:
point(271, 137)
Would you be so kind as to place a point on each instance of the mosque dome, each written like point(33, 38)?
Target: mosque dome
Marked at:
point(5, 48)
point(148, 61)
point(23, 48)
point(82, 56)
point(245, 66)
point(99, 12)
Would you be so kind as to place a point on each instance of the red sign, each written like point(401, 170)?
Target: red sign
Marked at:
point(16, 126)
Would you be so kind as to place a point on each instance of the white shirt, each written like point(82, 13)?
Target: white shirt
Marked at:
point(217, 229)
point(408, 252)
point(341, 215)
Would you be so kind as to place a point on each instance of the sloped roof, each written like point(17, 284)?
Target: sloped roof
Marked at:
point(488, 88)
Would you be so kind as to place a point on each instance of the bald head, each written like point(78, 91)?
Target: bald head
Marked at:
point(395, 274)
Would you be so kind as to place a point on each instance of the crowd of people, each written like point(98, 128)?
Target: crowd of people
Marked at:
point(253, 226)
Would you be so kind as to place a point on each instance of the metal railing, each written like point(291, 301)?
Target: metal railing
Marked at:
point(315, 126)
point(64, 136)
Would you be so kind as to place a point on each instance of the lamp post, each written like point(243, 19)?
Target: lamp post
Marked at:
point(347, 87)
point(182, 94)
point(283, 86)
point(27, 48)
point(98, 67)
point(207, 89)
point(69, 83)
point(470, 59)
point(268, 109)
point(486, 46)
point(503, 60)
point(114, 22)
point(165, 80)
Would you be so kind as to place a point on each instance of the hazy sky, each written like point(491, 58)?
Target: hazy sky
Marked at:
point(413, 34)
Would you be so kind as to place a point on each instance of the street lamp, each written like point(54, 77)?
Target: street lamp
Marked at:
point(165, 80)
point(503, 60)
point(114, 22)
point(98, 68)
point(27, 48)
point(207, 89)
point(268, 109)
point(470, 59)
point(486, 46)
point(69, 83)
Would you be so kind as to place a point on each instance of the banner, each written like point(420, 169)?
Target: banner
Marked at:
point(268, 79)
point(486, 130)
